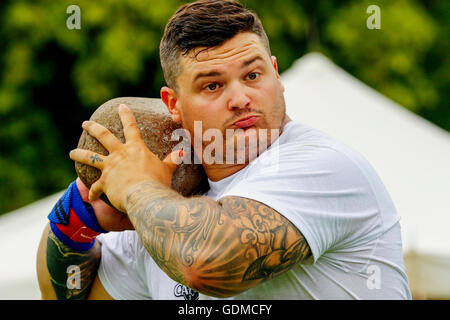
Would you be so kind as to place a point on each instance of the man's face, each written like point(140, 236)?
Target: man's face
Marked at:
point(232, 86)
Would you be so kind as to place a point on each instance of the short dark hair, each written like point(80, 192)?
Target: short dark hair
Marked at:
point(204, 23)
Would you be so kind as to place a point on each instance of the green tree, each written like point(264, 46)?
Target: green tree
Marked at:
point(52, 78)
point(390, 59)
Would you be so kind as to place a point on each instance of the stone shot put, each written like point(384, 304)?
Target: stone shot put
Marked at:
point(157, 128)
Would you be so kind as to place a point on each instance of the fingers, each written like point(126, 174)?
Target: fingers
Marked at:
point(84, 191)
point(103, 135)
point(96, 190)
point(88, 157)
point(130, 126)
point(173, 159)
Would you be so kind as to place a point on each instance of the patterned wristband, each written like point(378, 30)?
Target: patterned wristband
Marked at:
point(73, 221)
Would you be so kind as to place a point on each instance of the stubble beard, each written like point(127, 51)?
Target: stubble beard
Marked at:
point(238, 146)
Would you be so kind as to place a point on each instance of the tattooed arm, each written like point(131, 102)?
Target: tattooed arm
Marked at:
point(219, 248)
point(64, 273)
point(57, 263)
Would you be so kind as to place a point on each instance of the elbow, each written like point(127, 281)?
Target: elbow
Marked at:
point(222, 287)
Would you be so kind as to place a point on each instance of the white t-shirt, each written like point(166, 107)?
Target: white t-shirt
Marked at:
point(329, 192)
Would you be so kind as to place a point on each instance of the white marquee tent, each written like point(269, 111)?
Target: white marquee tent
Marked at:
point(411, 155)
point(20, 233)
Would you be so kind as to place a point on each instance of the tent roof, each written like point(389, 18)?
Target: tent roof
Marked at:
point(410, 154)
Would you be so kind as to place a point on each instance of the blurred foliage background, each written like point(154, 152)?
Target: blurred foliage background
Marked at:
point(53, 78)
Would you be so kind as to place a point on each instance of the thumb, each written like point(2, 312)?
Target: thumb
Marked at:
point(173, 159)
point(84, 191)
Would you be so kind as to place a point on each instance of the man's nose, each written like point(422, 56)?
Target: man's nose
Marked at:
point(238, 98)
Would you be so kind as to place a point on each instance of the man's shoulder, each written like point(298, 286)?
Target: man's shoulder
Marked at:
point(301, 137)
point(301, 145)
point(307, 143)
point(311, 158)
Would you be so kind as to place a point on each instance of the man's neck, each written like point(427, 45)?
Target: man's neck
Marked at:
point(218, 173)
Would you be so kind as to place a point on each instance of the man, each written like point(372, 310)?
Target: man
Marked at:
point(317, 223)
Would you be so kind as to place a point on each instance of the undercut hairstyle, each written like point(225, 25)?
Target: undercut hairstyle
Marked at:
point(204, 23)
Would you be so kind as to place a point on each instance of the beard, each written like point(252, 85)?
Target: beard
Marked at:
point(241, 146)
point(218, 146)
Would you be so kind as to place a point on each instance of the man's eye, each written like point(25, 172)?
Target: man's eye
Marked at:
point(212, 86)
point(253, 76)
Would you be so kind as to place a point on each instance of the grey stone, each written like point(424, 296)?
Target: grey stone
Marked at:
point(156, 127)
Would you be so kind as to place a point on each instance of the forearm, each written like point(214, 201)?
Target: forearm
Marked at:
point(62, 272)
point(218, 248)
point(171, 229)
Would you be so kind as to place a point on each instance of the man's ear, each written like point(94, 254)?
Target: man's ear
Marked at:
point(275, 66)
point(169, 97)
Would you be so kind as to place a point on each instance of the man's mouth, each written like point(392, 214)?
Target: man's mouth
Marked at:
point(245, 122)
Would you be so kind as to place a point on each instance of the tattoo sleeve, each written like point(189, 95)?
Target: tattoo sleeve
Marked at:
point(71, 273)
point(219, 248)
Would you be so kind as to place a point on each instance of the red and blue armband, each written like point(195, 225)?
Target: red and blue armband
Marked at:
point(73, 221)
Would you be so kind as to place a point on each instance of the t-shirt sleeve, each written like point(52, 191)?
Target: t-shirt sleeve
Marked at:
point(121, 268)
point(322, 191)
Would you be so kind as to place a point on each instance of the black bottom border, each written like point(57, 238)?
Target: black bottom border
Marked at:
point(219, 309)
